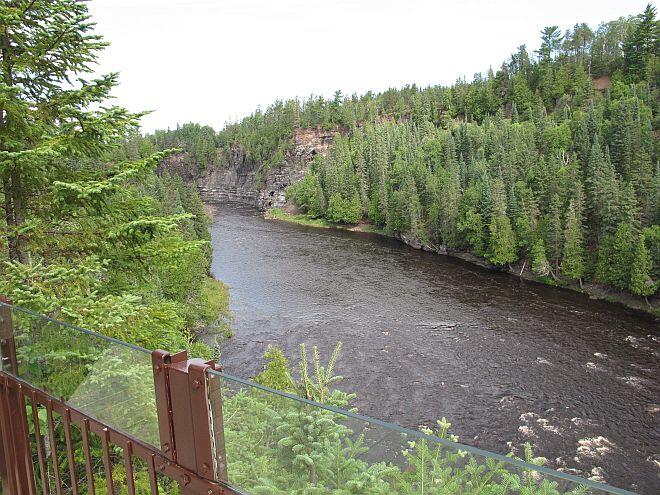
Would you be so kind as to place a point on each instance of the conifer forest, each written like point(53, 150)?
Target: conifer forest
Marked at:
point(551, 159)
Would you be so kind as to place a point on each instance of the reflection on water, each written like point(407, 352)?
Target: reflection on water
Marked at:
point(426, 336)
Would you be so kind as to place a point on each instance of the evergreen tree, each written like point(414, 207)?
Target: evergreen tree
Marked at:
point(641, 44)
point(615, 256)
point(450, 196)
point(540, 264)
point(554, 232)
point(573, 264)
point(502, 240)
point(641, 282)
point(46, 120)
point(572, 165)
point(602, 191)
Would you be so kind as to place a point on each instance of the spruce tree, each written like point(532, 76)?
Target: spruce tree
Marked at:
point(50, 114)
point(573, 264)
point(615, 257)
point(540, 264)
point(554, 232)
point(641, 282)
point(502, 240)
point(641, 44)
point(602, 192)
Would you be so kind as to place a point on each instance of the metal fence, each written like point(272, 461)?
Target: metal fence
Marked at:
point(38, 430)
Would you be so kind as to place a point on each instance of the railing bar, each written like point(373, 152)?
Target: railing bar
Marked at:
point(153, 482)
point(105, 441)
point(141, 449)
point(45, 483)
point(28, 452)
point(128, 464)
point(76, 328)
point(5, 431)
point(69, 451)
point(91, 489)
point(53, 447)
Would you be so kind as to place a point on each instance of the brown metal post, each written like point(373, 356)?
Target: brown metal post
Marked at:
point(7, 461)
point(7, 345)
point(15, 451)
point(17, 474)
point(184, 416)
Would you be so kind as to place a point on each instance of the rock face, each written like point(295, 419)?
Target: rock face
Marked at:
point(235, 181)
point(306, 144)
point(243, 180)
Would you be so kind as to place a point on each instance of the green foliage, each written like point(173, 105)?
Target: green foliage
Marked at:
point(279, 445)
point(641, 46)
point(573, 263)
point(342, 210)
point(277, 374)
point(502, 241)
point(615, 257)
point(641, 282)
point(95, 237)
point(540, 264)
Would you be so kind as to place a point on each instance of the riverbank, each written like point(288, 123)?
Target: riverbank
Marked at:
point(306, 220)
point(519, 269)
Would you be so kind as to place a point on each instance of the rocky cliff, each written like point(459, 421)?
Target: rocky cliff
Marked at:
point(305, 145)
point(244, 180)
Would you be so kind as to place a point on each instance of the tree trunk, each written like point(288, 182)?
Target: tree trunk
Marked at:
point(20, 248)
point(14, 217)
point(11, 184)
point(9, 217)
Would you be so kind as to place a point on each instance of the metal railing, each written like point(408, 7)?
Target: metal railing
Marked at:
point(51, 444)
point(82, 413)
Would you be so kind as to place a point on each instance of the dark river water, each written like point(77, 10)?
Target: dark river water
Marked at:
point(426, 336)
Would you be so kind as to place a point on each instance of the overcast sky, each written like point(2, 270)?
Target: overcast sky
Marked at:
point(212, 61)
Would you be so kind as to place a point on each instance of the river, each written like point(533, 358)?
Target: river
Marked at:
point(426, 336)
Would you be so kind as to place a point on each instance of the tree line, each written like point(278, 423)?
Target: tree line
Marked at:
point(552, 160)
point(536, 165)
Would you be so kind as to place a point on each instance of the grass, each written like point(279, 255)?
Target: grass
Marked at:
point(306, 220)
point(280, 214)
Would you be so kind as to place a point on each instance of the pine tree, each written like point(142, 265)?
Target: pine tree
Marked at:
point(551, 38)
point(573, 264)
point(45, 45)
point(641, 282)
point(641, 44)
point(502, 240)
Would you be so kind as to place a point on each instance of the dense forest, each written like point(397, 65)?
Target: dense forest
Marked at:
point(90, 234)
point(550, 161)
